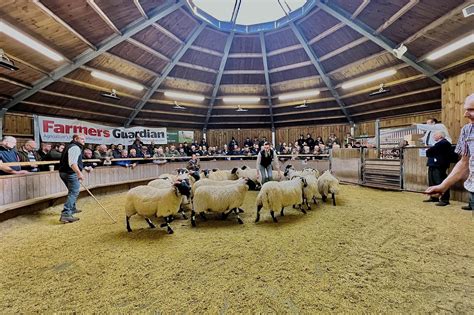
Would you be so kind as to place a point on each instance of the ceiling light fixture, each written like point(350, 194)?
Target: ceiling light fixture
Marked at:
point(112, 94)
point(240, 109)
point(468, 11)
point(400, 51)
point(29, 41)
point(6, 63)
point(241, 99)
point(369, 78)
point(116, 80)
point(298, 95)
point(184, 96)
point(178, 107)
point(304, 105)
point(469, 39)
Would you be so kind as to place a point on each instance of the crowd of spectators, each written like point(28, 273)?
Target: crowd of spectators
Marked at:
point(125, 156)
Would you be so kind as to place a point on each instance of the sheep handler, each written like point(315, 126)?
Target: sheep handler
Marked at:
point(70, 171)
point(265, 158)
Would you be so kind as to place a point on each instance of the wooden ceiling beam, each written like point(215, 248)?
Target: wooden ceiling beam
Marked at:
point(133, 64)
point(83, 99)
point(196, 67)
point(228, 44)
point(87, 56)
point(207, 51)
point(156, 84)
point(168, 33)
point(263, 46)
point(148, 49)
point(103, 16)
point(244, 72)
point(319, 67)
point(365, 30)
point(284, 50)
point(140, 8)
point(291, 66)
point(69, 109)
point(398, 107)
point(45, 9)
point(245, 55)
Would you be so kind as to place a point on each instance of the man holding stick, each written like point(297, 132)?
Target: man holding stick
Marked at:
point(70, 171)
point(465, 167)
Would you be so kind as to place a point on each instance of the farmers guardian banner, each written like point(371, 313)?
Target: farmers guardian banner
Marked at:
point(61, 130)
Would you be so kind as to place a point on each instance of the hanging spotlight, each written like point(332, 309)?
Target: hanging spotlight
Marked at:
point(6, 63)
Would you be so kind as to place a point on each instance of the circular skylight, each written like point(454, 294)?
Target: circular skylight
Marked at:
point(249, 15)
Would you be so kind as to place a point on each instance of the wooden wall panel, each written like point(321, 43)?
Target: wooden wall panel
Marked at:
point(219, 137)
point(18, 125)
point(368, 127)
point(291, 134)
point(415, 175)
point(453, 93)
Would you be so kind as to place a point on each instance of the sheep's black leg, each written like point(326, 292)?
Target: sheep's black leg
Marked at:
point(225, 215)
point(324, 198)
point(193, 218)
point(127, 219)
point(183, 214)
point(281, 212)
point(333, 200)
point(273, 216)
point(303, 210)
point(259, 207)
point(307, 204)
point(168, 221)
point(240, 210)
point(152, 226)
point(238, 217)
point(315, 200)
point(203, 216)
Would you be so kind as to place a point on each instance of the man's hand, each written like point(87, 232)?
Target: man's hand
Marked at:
point(21, 172)
point(80, 176)
point(435, 190)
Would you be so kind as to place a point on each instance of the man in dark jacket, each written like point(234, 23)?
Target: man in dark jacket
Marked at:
point(8, 154)
point(439, 158)
point(70, 171)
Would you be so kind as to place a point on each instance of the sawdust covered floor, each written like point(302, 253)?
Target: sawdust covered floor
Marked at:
point(375, 252)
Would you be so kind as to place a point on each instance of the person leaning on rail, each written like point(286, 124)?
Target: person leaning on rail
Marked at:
point(8, 154)
point(465, 167)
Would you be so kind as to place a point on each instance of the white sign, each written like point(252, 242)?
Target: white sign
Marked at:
point(61, 130)
point(422, 152)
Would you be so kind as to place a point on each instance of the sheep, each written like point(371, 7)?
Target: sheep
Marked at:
point(327, 183)
point(291, 172)
point(250, 173)
point(210, 182)
point(148, 201)
point(162, 183)
point(222, 175)
point(311, 191)
point(222, 199)
point(278, 195)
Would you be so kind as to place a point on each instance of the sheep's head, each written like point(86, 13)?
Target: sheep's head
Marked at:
point(305, 183)
point(250, 183)
point(244, 167)
point(183, 187)
point(181, 171)
point(234, 170)
point(206, 172)
point(287, 169)
point(334, 186)
point(196, 175)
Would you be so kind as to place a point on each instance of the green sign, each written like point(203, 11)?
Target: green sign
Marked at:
point(172, 136)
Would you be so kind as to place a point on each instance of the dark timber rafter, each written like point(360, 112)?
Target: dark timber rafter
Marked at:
point(365, 30)
point(156, 84)
point(319, 67)
point(218, 79)
point(267, 77)
point(90, 54)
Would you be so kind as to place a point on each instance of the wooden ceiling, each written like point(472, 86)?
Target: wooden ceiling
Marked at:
point(178, 52)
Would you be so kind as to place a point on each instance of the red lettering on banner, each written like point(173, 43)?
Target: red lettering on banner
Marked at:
point(51, 126)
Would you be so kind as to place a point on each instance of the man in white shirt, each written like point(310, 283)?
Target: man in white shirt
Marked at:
point(432, 125)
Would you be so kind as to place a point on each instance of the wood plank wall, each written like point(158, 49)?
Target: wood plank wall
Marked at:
point(291, 134)
point(219, 137)
point(453, 93)
point(19, 126)
point(368, 128)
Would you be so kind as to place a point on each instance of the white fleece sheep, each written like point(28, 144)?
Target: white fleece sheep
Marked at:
point(276, 196)
point(211, 182)
point(222, 175)
point(310, 192)
point(221, 199)
point(162, 183)
point(148, 201)
point(291, 172)
point(328, 184)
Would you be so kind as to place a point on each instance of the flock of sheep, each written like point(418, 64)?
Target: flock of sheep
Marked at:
point(223, 191)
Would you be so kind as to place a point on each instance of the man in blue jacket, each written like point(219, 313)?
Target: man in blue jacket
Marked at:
point(439, 158)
